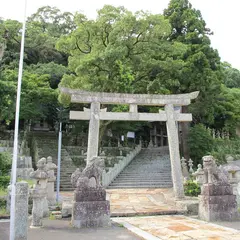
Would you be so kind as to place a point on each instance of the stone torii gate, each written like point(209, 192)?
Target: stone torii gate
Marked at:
point(95, 114)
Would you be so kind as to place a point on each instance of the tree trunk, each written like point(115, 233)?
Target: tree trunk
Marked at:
point(103, 127)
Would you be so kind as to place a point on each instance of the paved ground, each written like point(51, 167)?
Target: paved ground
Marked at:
point(178, 228)
point(132, 202)
point(61, 230)
point(135, 202)
point(166, 227)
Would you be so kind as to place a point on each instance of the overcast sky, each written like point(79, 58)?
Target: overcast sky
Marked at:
point(222, 16)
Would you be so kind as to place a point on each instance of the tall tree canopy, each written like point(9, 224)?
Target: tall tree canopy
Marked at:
point(201, 70)
point(121, 52)
point(44, 66)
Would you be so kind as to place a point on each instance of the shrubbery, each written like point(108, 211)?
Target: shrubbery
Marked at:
point(191, 189)
point(224, 147)
point(200, 143)
point(3, 203)
point(4, 181)
point(5, 163)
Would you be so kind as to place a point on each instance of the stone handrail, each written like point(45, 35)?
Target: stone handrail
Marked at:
point(108, 177)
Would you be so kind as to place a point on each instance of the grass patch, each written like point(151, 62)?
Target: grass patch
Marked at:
point(3, 211)
point(120, 225)
point(52, 217)
point(30, 182)
point(3, 192)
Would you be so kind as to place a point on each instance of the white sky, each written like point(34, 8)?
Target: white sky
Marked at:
point(222, 16)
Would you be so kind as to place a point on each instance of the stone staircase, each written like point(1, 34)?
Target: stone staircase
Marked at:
point(67, 168)
point(149, 169)
point(48, 146)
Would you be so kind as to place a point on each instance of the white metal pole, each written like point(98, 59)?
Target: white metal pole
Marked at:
point(16, 130)
point(59, 159)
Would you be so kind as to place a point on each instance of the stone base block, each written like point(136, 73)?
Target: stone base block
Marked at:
point(91, 214)
point(218, 208)
point(216, 189)
point(90, 194)
point(67, 209)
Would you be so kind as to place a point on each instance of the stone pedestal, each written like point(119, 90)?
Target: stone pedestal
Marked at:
point(217, 203)
point(91, 214)
point(51, 197)
point(90, 208)
point(38, 196)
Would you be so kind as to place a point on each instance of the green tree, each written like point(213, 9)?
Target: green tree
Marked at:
point(200, 143)
point(44, 66)
point(53, 70)
point(231, 76)
point(38, 100)
point(201, 69)
point(227, 110)
point(119, 52)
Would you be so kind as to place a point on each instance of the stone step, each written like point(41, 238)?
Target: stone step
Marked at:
point(142, 175)
point(150, 169)
point(138, 186)
point(142, 179)
point(141, 183)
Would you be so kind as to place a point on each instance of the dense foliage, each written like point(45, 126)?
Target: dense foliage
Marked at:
point(226, 147)
point(4, 182)
point(5, 163)
point(200, 143)
point(191, 189)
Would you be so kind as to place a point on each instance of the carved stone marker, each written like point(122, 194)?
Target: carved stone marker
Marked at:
point(50, 166)
point(24, 167)
point(216, 202)
point(90, 208)
point(39, 193)
point(21, 211)
point(199, 175)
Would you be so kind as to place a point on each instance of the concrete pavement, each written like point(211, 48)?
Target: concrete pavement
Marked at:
point(178, 228)
point(133, 202)
point(62, 230)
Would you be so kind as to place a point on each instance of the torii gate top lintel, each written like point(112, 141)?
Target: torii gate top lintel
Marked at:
point(81, 96)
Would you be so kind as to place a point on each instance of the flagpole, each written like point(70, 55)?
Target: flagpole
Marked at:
point(16, 130)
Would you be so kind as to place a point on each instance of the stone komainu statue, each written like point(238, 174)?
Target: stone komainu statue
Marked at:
point(94, 170)
point(212, 174)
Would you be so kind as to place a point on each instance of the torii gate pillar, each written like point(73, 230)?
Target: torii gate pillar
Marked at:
point(93, 132)
point(173, 144)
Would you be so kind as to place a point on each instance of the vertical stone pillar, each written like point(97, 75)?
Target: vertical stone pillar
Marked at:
point(93, 132)
point(173, 142)
point(21, 211)
point(161, 136)
point(39, 193)
point(50, 166)
point(155, 136)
